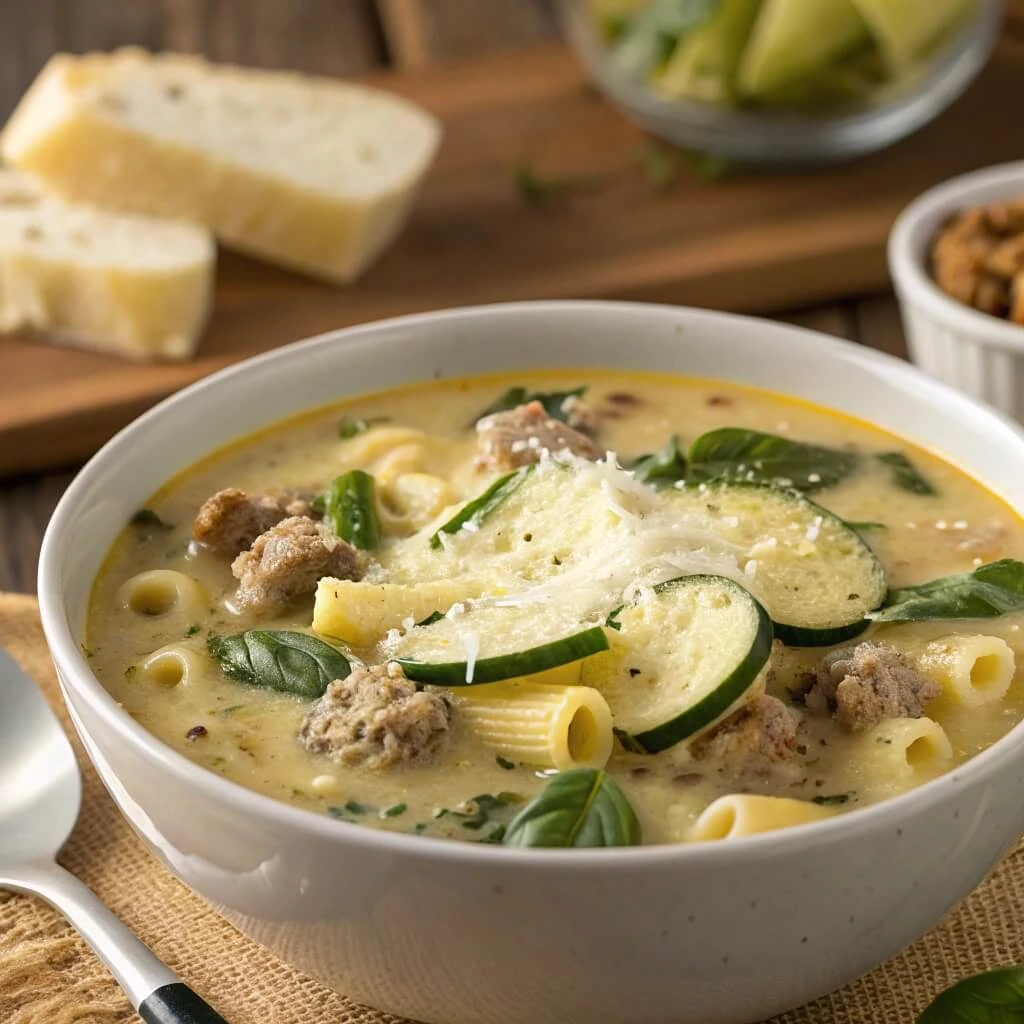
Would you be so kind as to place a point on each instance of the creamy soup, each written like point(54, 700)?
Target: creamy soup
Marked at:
point(569, 609)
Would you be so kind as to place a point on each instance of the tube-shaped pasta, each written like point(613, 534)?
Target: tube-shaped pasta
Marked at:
point(972, 670)
point(412, 500)
point(903, 750)
point(162, 592)
point(173, 665)
point(548, 726)
point(361, 613)
point(746, 814)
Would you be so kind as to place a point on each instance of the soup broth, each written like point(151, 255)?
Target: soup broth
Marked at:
point(875, 723)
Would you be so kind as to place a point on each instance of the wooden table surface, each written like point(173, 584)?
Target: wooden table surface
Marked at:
point(26, 503)
point(337, 37)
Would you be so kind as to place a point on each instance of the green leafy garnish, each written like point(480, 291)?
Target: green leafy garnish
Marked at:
point(394, 810)
point(353, 428)
point(480, 810)
point(541, 190)
point(663, 467)
point(904, 475)
point(579, 808)
point(431, 619)
point(553, 401)
point(995, 997)
point(834, 800)
point(193, 629)
point(477, 510)
point(864, 525)
point(991, 590)
point(146, 517)
point(350, 506)
point(355, 807)
point(737, 454)
point(279, 659)
point(504, 762)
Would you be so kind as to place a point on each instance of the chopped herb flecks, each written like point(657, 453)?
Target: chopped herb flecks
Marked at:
point(353, 428)
point(833, 800)
point(393, 811)
point(146, 517)
point(504, 762)
point(193, 629)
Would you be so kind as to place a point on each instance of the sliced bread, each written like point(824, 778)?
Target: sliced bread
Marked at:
point(119, 283)
point(310, 173)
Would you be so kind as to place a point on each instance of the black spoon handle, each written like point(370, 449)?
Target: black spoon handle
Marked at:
point(177, 1004)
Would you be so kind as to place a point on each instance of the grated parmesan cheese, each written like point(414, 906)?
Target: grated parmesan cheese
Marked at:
point(471, 642)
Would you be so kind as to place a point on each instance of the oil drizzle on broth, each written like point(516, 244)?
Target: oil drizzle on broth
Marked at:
point(248, 734)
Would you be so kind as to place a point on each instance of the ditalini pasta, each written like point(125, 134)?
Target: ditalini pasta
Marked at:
point(971, 669)
point(569, 609)
point(559, 727)
point(159, 593)
point(746, 814)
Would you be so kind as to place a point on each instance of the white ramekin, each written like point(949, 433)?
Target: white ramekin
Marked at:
point(977, 353)
point(459, 933)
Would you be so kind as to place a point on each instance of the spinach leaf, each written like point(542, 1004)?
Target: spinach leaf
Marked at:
point(663, 467)
point(480, 810)
point(480, 507)
point(904, 475)
point(147, 518)
point(734, 453)
point(995, 997)
point(551, 400)
point(990, 590)
point(578, 808)
point(279, 659)
point(350, 506)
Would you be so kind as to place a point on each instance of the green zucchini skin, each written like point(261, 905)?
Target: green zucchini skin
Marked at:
point(796, 634)
point(509, 666)
point(718, 701)
point(480, 507)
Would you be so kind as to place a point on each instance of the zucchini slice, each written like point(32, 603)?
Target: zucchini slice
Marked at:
point(816, 576)
point(680, 658)
point(492, 643)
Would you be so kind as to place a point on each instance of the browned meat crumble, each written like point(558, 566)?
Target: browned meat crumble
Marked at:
point(230, 520)
point(515, 438)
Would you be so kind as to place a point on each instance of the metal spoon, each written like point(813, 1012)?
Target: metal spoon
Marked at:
point(40, 795)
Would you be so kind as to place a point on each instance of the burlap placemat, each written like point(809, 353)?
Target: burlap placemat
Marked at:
point(49, 976)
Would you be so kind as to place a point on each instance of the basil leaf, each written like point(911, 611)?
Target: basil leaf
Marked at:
point(551, 400)
point(904, 475)
point(995, 997)
point(990, 590)
point(350, 505)
point(279, 659)
point(733, 453)
point(663, 467)
point(578, 808)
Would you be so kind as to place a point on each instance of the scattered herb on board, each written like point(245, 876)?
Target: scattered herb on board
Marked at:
point(995, 997)
point(349, 428)
point(832, 800)
point(542, 190)
point(991, 590)
point(579, 808)
point(279, 659)
point(146, 517)
point(504, 762)
point(660, 166)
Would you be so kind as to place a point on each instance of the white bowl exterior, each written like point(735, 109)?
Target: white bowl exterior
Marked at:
point(456, 934)
point(979, 354)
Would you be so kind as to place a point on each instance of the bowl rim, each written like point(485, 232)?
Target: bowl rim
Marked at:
point(912, 233)
point(75, 674)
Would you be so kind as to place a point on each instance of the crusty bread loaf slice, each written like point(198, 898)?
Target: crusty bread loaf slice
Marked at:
point(310, 173)
point(120, 283)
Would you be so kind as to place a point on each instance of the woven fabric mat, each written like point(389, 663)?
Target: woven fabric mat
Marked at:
point(49, 976)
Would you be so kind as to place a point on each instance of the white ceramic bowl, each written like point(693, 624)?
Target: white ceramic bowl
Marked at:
point(451, 933)
point(980, 354)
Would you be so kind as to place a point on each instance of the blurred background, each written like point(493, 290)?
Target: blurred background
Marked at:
point(592, 149)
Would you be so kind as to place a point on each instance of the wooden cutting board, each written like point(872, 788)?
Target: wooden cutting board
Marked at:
point(754, 243)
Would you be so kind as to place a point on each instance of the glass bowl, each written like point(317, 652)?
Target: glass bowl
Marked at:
point(768, 137)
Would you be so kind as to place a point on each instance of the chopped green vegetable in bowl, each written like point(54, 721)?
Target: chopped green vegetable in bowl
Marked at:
point(782, 80)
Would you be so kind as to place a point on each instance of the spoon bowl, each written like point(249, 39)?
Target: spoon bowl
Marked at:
point(40, 797)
